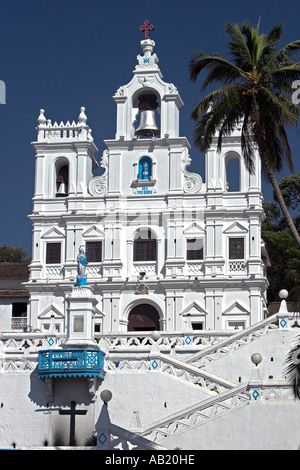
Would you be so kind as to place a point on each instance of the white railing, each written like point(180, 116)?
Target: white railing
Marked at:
point(54, 272)
point(30, 342)
point(195, 415)
point(155, 362)
point(118, 341)
point(237, 266)
point(179, 341)
point(148, 268)
point(229, 345)
point(115, 437)
point(226, 402)
point(68, 131)
point(194, 268)
point(19, 323)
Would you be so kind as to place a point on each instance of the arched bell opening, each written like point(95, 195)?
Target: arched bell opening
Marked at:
point(62, 178)
point(148, 115)
point(144, 317)
point(233, 172)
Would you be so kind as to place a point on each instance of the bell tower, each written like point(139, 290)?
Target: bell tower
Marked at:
point(147, 144)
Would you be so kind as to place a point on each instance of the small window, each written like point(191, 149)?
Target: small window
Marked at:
point(19, 316)
point(236, 325)
point(144, 248)
point(19, 310)
point(94, 252)
point(53, 253)
point(194, 249)
point(197, 326)
point(236, 248)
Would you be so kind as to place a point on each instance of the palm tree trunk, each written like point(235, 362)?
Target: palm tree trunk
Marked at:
point(289, 221)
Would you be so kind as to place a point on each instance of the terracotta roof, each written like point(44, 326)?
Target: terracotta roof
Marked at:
point(17, 293)
point(14, 271)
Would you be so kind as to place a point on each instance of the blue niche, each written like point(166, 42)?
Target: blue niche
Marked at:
point(145, 168)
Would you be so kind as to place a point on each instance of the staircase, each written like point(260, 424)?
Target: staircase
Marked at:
point(223, 396)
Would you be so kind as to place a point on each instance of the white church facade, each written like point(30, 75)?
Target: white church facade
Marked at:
point(164, 249)
point(146, 326)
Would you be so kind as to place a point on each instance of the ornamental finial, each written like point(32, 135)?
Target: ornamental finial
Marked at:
point(147, 27)
point(41, 119)
point(82, 116)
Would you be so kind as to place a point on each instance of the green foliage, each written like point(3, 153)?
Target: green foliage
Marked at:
point(273, 217)
point(282, 248)
point(11, 254)
point(285, 258)
point(290, 190)
point(254, 91)
point(255, 86)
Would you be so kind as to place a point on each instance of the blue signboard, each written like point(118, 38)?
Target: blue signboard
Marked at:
point(144, 190)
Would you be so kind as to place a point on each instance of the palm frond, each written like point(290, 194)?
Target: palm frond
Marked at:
point(224, 101)
point(222, 73)
point(283, 55)
point(286, 147)
point(238, 47)
point(247, 144)
point(255, 42)
point(271, 42)
point(292, 369)
point(200, 61)
point(228, 94)
point(277, 105)
point(268, 135)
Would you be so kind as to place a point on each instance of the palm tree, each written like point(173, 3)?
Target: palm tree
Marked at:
point(256, 89)
point(292, 369)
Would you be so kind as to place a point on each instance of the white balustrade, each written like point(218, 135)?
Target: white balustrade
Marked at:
point(237, 266)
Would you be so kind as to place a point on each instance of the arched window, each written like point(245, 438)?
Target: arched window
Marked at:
point(144, 246)
point(145, 168)
point(62, 179)
point(143, 317)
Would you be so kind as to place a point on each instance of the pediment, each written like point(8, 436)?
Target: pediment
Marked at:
point(236, 228)
point(93, 232)
point(194, 309)
point(51, 311)
point(194, 229)
point(236, 309)
point(54, 232)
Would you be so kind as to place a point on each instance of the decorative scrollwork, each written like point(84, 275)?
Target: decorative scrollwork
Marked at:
point(97, 186)
point(193, 181)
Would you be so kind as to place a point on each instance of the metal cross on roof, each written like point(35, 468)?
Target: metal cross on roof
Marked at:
point(147, 27)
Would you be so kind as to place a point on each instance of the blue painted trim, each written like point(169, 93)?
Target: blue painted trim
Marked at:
point(71, 363)
point(145, 168)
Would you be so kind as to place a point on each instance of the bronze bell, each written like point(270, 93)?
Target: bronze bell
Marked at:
point(147, 106)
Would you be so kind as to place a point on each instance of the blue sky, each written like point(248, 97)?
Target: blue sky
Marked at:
point(63, 54)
